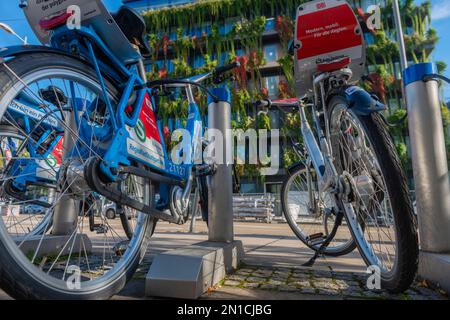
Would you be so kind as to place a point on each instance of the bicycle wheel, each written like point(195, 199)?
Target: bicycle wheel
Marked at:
point(83, 255)
point(378, 208)
point(309, 214)
point(25, 211)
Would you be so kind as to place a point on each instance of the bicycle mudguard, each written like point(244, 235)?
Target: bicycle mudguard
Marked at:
point(362, 102)
point(15, 51)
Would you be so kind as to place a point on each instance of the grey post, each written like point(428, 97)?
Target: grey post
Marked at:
point(400, 39)
point(220, 200)
point(430, 172)
point(206, 263)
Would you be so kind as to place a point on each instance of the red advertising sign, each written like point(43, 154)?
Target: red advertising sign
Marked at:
point(327, 31)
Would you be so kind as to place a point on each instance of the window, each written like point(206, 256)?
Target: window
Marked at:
point(248, 188)
point(271, 83)
point(271, 52)
point(274, 116)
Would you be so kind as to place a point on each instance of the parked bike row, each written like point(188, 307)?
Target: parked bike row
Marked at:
point(79, 137)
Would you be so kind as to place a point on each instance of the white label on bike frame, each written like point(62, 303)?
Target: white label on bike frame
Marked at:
point(352, 90)
point(32, 113)
point(144, 142)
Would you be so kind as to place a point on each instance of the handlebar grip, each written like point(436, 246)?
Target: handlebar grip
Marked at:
point(262, 103)
point(226, 68)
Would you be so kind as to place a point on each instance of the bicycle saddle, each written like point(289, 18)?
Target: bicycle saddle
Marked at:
point(133, 26)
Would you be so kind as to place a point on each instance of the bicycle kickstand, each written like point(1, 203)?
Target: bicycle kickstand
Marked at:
point(327, 241)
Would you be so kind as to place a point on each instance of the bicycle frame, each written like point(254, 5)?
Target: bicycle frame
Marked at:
point(319, 150)
point(124, 128)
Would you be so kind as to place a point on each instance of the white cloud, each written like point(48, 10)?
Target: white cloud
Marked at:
point(440, 10)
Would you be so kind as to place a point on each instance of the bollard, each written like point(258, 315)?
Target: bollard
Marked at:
point(429, 158)
point(220, 186)
point(430, 172)
point(205, 264)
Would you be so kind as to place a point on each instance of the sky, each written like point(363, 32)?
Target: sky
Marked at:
point(11, 14)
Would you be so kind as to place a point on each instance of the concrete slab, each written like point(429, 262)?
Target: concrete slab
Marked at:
point(54, 245)
point(189, 271)
point(436, 268)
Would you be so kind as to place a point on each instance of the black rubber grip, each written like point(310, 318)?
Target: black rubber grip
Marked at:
point(228, 67)
point(262, 103)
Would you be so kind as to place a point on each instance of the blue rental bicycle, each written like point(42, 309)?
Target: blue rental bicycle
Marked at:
point(83, 105)
point(32, 181)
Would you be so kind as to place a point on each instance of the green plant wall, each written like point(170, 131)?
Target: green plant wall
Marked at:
point(248, 19)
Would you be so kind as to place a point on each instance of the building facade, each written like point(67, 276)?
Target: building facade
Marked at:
point(191, 36)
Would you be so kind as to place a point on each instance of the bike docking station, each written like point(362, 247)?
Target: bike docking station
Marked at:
point(189, 271)
point(431, 173)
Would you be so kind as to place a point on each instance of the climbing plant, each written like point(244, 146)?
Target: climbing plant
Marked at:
point(217, 30)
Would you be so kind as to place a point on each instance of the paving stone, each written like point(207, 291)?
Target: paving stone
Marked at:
point(301, 275)
point(327, 292)
point(282, 273)
point(275, 282)
point(353, 292)
point(244, 271)
point(411, 292)
point(278, 278)
point(232, 283)
point(343, 285)
point(263, 273)
point(251, 285)
point(256, 279)
point(236, 277)
point(268, 286)
point(288, 288)
point(326, 285)
point(282, 270)
point(344, 276)
point(303, 284)
point(429, 293)
point(322, 273)
point(351, 283)
point(308, 290)
point(374, 295)
point(322, 280)
point(419, 297)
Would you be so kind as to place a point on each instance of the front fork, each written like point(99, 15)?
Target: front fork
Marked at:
point(319, 154)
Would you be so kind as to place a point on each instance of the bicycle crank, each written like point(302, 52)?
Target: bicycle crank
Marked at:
point(91, 174)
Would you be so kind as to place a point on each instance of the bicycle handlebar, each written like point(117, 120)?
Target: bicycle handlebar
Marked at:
point(293, 103)
point(223, 69)
point(217, 74)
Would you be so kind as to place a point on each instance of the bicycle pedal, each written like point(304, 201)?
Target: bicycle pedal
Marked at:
point(101, 228)
point(316, 238)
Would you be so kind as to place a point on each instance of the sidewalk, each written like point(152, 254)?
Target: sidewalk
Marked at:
point(271, 268)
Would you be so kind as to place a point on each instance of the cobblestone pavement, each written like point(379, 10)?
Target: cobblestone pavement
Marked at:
point(344, 285)
point(269, 270)
point(320, 283)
